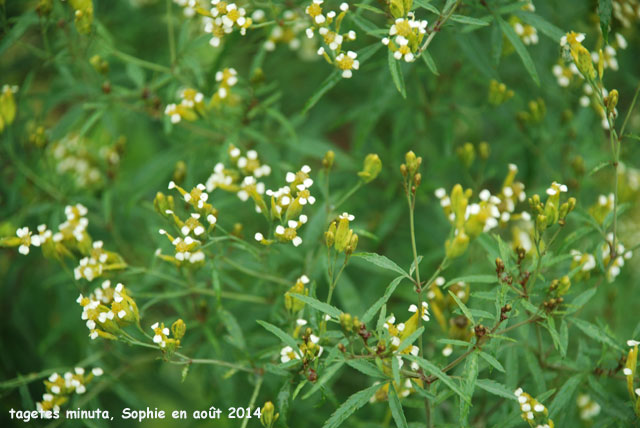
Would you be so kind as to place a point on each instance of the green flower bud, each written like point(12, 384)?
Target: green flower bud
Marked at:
point(372, 167)
point(412, 162)
point(178, 329)
point(327, 161)
point(330, 235)
point(267, 416)
point(456, 247)
point(353, 244)
point(343, 232)
point(612, 100)
point(484, 150)
point(466, 154)
point(163, 203)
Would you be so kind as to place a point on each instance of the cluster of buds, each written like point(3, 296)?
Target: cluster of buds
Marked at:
point(7, 106)
point(630, 371)
point(411, 178)
point(83, 13)
point(327, 25)
point(406, 32)
point(190, 107)
point(560, 286)
point(534, 114)
point(620, 254)
point(292, 304)
point(403, 389)
point(107, 310)
point(371, 168)
point(308, 352)
point(588, 408)
point(533, 412)
point(340, 236)
point(226, 78)
point(161, 335)
point(61, 387)
point(527, 33)
point(97, 262)
point(499, 93)
point(571, 44)
point(243, 178)
point(187, 251)
point(188, 7)
point(286, 31)
point(552, 211)
point(268, 415)
point(222, 19)
point(86, 162)
point(349, 324)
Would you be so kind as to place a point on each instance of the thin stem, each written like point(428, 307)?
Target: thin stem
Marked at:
point(253, 399)
point(172, 43)
point(436, 27)
point(347, 195)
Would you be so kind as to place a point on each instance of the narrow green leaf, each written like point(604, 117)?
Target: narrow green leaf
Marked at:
point(581, 299)
point(369, 8)
point(431, 64)
point(495, 388)
point(317, 304)
point(604, 13)
point(564, 395)
point(328, 84)
point(366, 368)
point(521, 50)
point(479, 279)
point(480, 22)
point(382, 261)
point(350, 406)
point(368, 316)
point(410, 339)
point(469, 377)
point(595, 332)
point(280, 334)
point(396, 408)
point(395, 369)
point(395, 68)
point(434, 370)
point(564, 338)
point(426, 5)
point(541, 24)
point(463, 307)
point(232, 326)
point(492, 361)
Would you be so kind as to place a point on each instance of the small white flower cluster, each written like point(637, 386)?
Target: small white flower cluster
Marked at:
point(189, 7)
point(191, 103)
point(286, 30)
point(486, 212)
point(26, 239)
point(76, 156)
point(161, 334)
point(308, 351)
point(283, 233)
point(287, 354)
point(589, 408)
point(226, 78)
point(405, 36)
point(626, 11)
point(98, 261)
point(107, 309)
point(186, 249)
point(424, 311)
point(223, 19)
point(533, 411)
point(585, 260)
point(527, 33)
point(60, 387)
point(321, 22)
point(621, 255)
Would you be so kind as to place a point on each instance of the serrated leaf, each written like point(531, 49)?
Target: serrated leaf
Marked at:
point(410, 339)
point(434, 370)
point(366, 368)
point(396, 408)
point(604, 13)
point(581, 299)
point(276, 331)
point(232, 326)
point(350, 406)
point(595, 332)
point(324, 378)
point(463, 19)
point(479, 279)
point(564, 338)
point(462, 307)
point(495, 388)
point(382, 261)
point(520, 48)
point(395, 68)
point(564, 395)
point(469, 377)
point(317, 304)
point(368, 316)
point(492, 361)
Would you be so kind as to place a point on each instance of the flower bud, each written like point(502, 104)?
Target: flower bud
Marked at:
point(412, 162)
point(163, 203)
point(353, 244)
point(456, 247)
point(612, 100)
point(178, 329)
point(466, 154)
point(330, 235)
point(267, 416)
point(343, 234)
point(327, 161)
point(371, 169)
point(484, 150)
point(179, 172)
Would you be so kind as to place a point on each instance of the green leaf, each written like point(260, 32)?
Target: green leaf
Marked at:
point(434, 370)
point(324, 378)
point(395, 368)
point(533, 309)
point(366, 368)
point(564, 338)
point(280, 334)
point(396, 408)
point(232, 326)
point(521, 50)
point(368, 316)
point(395, 68)
point(369, 8)
point(604, 13)
point(463, 307)
point(13, 35)
point(382, 261)
point(480, 279)
point(495, 388)
point(431, 64)
point(328, 84)
point(410, 339)
point(482, 22)
point(350, 406)
point(550, 325)
point(581, 299)
point(598, 167)
point(541, 24)
point(595, 332)
point(535, 370)
point(426, 5)
point(469, 377)
point(317, 304)
point(492, 361)
point(564, 395)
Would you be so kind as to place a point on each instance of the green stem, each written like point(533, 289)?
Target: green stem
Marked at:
point(252, 401)
point(347, 195)
point(172, 43)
